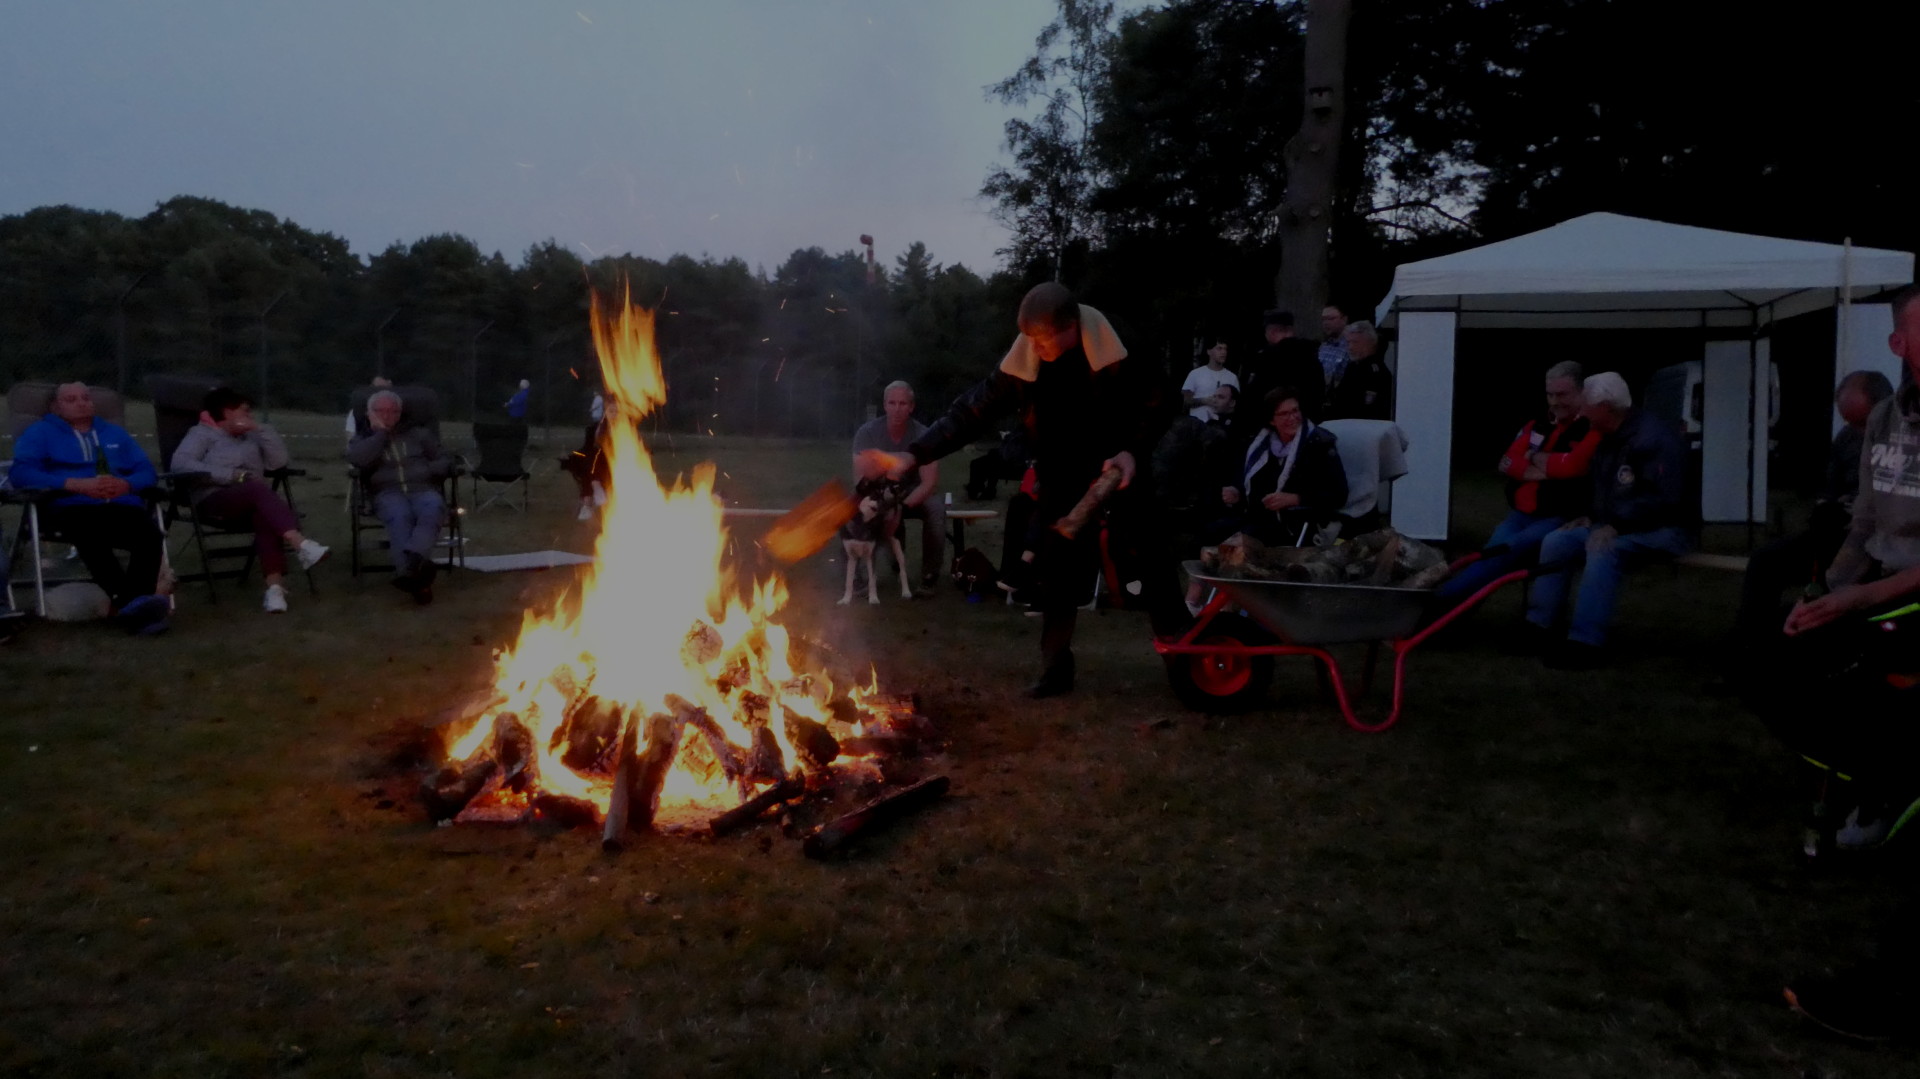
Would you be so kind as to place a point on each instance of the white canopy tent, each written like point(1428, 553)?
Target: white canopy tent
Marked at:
point(1609, 271)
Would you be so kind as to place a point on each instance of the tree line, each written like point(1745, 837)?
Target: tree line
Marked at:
point(1148, 169)
point(293, 315)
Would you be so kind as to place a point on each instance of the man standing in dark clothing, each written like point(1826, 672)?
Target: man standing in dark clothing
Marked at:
point(1282, 360)
point(1638, 512)
point(1086, 409)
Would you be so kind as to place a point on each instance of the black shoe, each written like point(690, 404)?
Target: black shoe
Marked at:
point(423, 595)
point(1864, 1004)
point(1056, 680)
point(406, 582)
point(425, 570)
point(11, 622)
point(1575, 656)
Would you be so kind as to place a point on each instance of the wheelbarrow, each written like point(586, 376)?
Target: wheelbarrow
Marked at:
point(1224, 661)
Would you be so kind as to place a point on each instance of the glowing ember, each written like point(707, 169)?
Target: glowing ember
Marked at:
point(655, 660)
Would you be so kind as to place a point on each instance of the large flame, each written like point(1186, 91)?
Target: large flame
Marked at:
point(659, 615)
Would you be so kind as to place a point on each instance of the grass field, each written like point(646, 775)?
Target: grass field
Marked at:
point(212, 868)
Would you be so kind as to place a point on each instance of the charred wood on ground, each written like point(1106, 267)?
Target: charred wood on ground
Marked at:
point(833, 836)
point(751, 810)
point(446, 792)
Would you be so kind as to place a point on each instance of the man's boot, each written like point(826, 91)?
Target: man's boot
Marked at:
point(1056, 639)
point(1056, 678)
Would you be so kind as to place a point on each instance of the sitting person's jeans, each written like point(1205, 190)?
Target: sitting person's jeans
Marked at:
point(1600, 584)
point(933, 534)
point(253, 505)
point(1522, 534)
point(99, 530)
point(413, 520)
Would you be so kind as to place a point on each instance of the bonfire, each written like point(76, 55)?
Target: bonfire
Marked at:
point(661, 692)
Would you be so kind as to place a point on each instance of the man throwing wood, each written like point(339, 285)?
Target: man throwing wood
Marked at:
point(1086, 409)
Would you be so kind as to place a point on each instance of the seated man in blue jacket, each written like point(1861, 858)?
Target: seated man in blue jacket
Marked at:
point(101, 470)
point(1638, 510)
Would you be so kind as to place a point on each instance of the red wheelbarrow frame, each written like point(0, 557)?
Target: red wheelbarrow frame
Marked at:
point(1185, 644)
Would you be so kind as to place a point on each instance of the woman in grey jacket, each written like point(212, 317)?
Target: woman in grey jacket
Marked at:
point(235, 451)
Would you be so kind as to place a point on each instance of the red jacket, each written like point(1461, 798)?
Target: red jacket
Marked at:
point(1569, 447)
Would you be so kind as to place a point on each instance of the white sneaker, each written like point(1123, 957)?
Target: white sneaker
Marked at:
point(599, 494)
point(311, 554)
point(1854, 835)
point(586, 512)
point(276, 601)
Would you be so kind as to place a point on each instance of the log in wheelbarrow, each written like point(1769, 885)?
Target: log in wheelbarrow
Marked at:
point(1224, 661)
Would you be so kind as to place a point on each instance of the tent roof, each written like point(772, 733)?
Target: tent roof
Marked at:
point(1610, 270)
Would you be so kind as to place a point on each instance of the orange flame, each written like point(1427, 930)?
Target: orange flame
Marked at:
point(658, 614)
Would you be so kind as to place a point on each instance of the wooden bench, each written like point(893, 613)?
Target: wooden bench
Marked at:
point(956, 520)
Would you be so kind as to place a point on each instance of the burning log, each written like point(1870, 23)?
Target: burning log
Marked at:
point(702, 645)
point(650, 773)
point(620, 803)
point(446, 792)
point(732, 765)
point(764, 759)
point(1089, 505)
point(564, 809)
point(590, 730)
point(834, 835)
point(750, 810)
point(512, 749)
point(880, 745)
point(811, 738)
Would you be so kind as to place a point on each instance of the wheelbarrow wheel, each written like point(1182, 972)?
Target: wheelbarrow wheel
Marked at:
point(1228, 680)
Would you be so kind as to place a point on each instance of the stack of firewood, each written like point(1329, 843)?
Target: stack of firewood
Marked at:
point(1383, 559)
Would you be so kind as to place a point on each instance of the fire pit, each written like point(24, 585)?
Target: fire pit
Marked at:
point(662, 693)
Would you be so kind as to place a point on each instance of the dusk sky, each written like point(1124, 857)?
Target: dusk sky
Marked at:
point(718, 127)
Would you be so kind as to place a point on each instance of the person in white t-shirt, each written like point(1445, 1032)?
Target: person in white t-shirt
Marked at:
point(1202, 382)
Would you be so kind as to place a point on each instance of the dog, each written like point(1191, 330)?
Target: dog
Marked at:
point(973, 571)
point(875, 523)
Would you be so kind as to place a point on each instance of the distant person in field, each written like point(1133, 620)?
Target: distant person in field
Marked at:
point(403, 466)
point(893, 432)
point(590, 466)
point(236, 451)
point(1197, 392)
point(100, 471)
point(1546, 468)
point(517, 404)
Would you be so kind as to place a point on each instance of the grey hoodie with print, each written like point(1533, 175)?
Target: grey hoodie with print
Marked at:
point(1886, 510)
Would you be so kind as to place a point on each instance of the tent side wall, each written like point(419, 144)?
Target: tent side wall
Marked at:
point(1423, 396)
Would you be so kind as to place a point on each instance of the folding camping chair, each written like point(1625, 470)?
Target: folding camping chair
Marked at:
point(503, 456)
point(177, 401)
point(419, 405)
point(27, 403)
